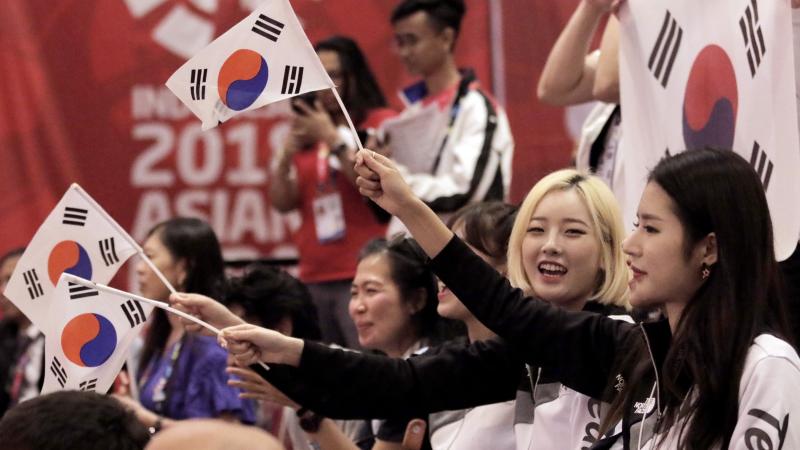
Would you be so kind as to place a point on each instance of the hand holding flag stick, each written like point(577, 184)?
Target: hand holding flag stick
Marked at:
point(166, 307)
point(157, 304)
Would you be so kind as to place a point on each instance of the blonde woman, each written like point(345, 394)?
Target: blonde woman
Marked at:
point(565, 249)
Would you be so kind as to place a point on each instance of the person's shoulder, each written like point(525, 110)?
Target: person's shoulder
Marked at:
point(207, 351)
point(768, 346)
point(376, 116)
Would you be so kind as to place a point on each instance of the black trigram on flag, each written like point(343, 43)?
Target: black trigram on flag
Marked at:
point(753, 38)
point(109, 251)
point(88, 385)
point(32, 283)
point(134, 312)
point(198, 87)
point(75, 216)
point(292, 80)
point(662, 57)
point(77, 291)
point(58, 371)
point(761, 164)
point(268, 27)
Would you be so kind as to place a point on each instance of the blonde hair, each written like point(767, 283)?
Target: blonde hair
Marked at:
point(606, 222)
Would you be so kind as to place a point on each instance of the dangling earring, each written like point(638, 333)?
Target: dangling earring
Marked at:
point(705, 272)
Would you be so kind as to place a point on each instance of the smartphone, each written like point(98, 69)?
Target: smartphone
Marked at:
point(309, 98)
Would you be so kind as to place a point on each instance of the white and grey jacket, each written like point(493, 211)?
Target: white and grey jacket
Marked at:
point(473, 160)
point(587, 353)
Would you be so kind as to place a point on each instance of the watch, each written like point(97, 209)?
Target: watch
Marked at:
point(309, 420)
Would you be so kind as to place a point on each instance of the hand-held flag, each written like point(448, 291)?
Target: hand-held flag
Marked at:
point(712, 74)
point(78, 238)
point(263, 59)
point(89, 335)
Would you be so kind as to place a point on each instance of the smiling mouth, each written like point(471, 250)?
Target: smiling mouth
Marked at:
point(549, 269)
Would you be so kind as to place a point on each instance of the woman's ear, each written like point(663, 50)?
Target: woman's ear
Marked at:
point(417, 302)
point(709, 249)
point(181, 273)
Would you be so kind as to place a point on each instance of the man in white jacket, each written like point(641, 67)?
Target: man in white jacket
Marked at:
point(471, 145)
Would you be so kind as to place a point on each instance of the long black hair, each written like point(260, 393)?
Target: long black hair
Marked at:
point(717, 191)
point(360, 92)
point(195, 243)
point(411, 273)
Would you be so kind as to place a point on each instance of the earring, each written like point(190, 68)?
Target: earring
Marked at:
point(705, 272)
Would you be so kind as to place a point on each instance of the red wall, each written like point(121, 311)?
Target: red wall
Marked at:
point(82, 99)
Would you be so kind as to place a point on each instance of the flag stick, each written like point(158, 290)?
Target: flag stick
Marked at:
point(124, 233)
point(156, 303)
point(347, 117)
point(157, 272)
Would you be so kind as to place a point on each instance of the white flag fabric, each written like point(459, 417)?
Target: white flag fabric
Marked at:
point(263, 59)
point(89, 335)
point(716, 73)
point(78, 238)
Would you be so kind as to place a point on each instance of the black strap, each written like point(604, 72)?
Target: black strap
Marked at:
point(599, 144)
point(454, 202)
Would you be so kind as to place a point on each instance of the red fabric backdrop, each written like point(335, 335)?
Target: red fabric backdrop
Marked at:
point(82, 100)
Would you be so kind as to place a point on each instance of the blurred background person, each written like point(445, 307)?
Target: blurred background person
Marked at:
point(21, 345)
point(470, 139)
point(213, 435)
point(69, 420)
point(313, 173)
point(182, 375)
point(272, 298)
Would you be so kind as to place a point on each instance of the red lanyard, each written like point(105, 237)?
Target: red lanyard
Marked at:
point(324, 175)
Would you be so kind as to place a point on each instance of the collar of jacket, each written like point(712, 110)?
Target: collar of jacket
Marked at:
point(419, 90)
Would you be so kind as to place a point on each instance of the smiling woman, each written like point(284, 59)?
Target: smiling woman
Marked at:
point(703, 247)
point(393, 298)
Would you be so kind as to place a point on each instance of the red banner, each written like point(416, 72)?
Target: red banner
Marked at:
point(82, 99)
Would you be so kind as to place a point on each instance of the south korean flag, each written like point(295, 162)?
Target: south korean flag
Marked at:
point(78, 237)
point(88, 337)
point(716, 73)
point(263, 59)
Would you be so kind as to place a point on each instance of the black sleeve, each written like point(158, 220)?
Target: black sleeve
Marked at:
point(347, 385)
point(580, 347)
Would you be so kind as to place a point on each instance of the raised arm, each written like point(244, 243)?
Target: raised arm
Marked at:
point(455, 377)
point(569, 73)
point(581, 347)
point(606, 79)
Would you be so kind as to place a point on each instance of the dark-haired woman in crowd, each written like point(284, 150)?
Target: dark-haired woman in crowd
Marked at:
point(717, 372)
point(393, 304)
point(313, 173)
point(182, 375)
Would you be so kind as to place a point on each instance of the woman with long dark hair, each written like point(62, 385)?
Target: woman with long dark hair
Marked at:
point(718, 372)
point(182, 375)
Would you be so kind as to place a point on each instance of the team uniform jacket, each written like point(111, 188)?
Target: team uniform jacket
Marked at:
point(585, 352)
point(473, 162)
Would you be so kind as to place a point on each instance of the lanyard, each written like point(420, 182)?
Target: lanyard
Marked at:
point(325, 176)
point(160, 389)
